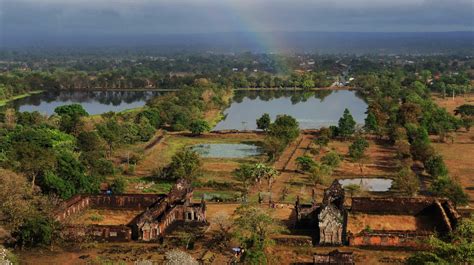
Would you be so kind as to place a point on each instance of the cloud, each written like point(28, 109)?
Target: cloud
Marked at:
point(197, 16)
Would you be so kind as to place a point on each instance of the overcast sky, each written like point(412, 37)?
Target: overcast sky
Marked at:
point(124, 17)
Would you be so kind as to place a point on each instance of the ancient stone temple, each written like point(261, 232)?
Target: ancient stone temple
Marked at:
point(156, 213)
point(331, 216)
point(393, 222)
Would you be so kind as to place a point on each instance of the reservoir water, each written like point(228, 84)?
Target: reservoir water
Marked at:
point(227, 150)
point(312, 109)
point(94, 102)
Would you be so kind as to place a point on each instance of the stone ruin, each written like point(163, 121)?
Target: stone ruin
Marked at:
point(334, 257)
point(332, 215)
point(329, 220)
point(157, 213)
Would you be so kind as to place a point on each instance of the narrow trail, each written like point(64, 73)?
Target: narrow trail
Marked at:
point(287, 165)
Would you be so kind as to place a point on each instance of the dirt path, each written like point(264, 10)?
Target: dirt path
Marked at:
point(286, 164)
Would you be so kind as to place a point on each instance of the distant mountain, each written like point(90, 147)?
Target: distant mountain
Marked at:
point(321, 42)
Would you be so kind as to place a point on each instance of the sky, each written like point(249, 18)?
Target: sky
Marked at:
point(129, 17)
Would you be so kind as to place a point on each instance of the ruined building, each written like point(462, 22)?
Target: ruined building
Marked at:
point(142, 217)
point(375, 221)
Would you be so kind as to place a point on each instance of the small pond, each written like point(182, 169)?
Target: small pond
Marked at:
point(369, 184)
point(94, 102)
point(312, 110)
point(227, 150)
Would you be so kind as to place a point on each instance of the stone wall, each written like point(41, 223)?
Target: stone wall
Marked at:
point(334, 257)
point(124, 201)
point(392, 205)
point(102, 233)
point(78, 203)
point(389, 239)
point(72, 206)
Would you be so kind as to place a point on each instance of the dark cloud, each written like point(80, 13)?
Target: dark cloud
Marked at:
point(57, 17)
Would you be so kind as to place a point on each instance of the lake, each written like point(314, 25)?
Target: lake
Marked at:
point(227, 150)
point(312, 109)
point(94, 102)
point(369, 184)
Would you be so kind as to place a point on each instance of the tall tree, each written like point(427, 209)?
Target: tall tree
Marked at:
point(346, 125)
point(264, 122)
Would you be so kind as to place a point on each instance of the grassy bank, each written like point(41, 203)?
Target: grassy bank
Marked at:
point(3, 102)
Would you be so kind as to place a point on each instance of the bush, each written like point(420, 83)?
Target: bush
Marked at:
point(305, 163)
point(444, 186)
point(407, 181)
point(118, 185)
point(184, 164)
point(435, 166)
point(331, 159)
point(357, 148)
point(36, 231)
point(198, 127)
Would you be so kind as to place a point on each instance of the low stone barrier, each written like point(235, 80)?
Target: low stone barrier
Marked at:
point(389, 239)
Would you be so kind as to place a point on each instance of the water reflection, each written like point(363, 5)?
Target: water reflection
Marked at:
point(369, 184)
point(311, 109)
point(94, 102)
point(227, 150)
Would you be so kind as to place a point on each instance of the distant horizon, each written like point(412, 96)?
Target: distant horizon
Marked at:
point(266, 42)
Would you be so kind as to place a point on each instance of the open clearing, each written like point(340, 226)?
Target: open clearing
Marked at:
point(106, 217)
point(459, 155)
point(358, 222)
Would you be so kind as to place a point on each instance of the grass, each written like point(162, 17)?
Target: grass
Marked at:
point(161, 154)
point(211, 195)
point(150, 185)
point(458, 155)
point(3, 102)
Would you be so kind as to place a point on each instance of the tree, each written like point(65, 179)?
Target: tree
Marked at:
point(245, 175)
point(357, 149)
point(179, 257)
point(465, 110)
point(445, 186)
point(145, 129)
point(352, 189)
point(254, 228)
point(118, 185)
point(285, 127)
point(264, 122)
point(111, 132)
point(185, 164)
point(319, 175)
point(435, 166)
point(273, 146)
point(33, 159)
point(308, 83)
point(458, 249)
point(262, 171)
point(371, 124)
point(346, 125)
point(305, 163)
point(36, 231)
point(224, 224)
point(322, 141)
point(89, 141)
point(198, 127)
point(406, 181)
point(18, 202)
point(331, 159)
point(70, 117)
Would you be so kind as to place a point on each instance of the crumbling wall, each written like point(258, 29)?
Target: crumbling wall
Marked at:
point(124, 201)
point(389, 239)
point(72, 206)
point(334, 257)
point(102, 233)
point(392, 205)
